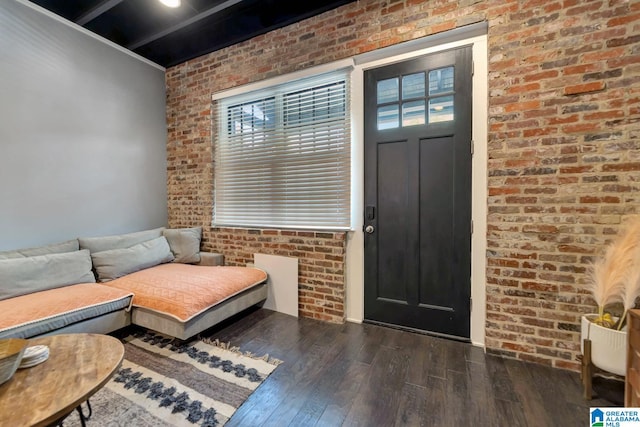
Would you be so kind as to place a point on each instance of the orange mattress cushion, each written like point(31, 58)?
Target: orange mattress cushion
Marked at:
point(183, 291)
point(41, 305)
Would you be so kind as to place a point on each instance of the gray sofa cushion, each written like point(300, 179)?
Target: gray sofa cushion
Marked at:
point(99, 310)
point(118, 241)
point(55, 248)
point(11, 255)
point(21, 276)
point(116, 263)
point(184, 243)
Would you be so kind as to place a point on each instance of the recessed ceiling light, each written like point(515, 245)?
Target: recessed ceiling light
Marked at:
point(170, 3)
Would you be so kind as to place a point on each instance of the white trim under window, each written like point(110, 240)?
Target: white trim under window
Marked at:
point(283, 156)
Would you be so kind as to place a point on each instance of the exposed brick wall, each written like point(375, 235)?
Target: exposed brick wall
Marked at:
point(564, 85)
point(320, 266)
point(564, 158)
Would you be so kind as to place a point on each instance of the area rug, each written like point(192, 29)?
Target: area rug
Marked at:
point(166, 382)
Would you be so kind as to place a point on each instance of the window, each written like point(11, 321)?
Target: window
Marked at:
point(283, 156)
point(401, 100)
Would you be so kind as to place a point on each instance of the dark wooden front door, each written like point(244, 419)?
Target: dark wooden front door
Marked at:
point(418, 193)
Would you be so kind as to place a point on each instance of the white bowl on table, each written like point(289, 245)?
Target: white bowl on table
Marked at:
point(11, 352)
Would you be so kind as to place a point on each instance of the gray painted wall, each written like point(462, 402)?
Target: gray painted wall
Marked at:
point(82, 134)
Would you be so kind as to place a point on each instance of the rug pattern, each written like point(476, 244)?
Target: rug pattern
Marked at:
point(163, 381)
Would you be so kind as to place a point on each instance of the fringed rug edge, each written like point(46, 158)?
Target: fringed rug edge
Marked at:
point(234, 349)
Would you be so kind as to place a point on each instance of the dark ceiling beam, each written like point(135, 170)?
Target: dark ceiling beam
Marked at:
point(97, 11)
point(148, 39)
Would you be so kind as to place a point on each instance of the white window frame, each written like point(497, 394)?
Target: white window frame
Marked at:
point(261, 209)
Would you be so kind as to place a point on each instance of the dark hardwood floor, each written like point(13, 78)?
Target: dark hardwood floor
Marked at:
point(367, 375)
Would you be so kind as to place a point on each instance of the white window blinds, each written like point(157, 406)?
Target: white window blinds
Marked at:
point(283, 156)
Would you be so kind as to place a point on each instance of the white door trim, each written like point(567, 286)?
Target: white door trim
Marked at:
point(355, 240)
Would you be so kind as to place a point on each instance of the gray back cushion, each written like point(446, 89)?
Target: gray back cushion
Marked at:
point(116, 263)
point(55, 248)
point(21, 276)
point(119, 241)
point(184, 243)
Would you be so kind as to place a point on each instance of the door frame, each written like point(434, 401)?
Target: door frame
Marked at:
point(479, 134)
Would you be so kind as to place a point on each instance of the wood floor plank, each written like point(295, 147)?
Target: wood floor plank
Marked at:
point(482, 403)
point(418, 371)
point(457, 397)
point(436, 403)
point(530, 399)
point(378, 400)
point(357, 336)
point(545, 380)
point(412, 410)
point(510, 413)
point(374, 339)
point(436, 358)
point(498, 376)
point(314, 403)
point(455, 355)
point(474, 354)
point(308, 399)
point(370, 375)
point(299, 355)
point(344, 395)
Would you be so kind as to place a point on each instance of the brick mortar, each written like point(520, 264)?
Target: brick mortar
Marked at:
point(563, 148)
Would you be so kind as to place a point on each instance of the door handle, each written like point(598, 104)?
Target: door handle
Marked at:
point(369, 229)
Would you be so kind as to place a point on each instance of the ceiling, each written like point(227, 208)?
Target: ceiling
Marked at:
point(171, 36)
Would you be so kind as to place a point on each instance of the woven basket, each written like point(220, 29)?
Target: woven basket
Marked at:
point(11, 351)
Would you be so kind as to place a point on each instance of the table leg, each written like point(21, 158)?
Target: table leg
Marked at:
point(84, 418)
point(587, 369)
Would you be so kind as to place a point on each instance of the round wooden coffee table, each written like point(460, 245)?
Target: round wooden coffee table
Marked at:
point(78, 366)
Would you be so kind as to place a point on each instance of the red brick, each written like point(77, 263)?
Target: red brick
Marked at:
point(539, 228)
point(521, 88)
point(540, 76)
point(623, 20)
point(581, 68)
point(581, 127)
point(603, 115)
point(621, 167)
point(603, 54)
point(563, 119)
point(539, 131)
point(584, 88)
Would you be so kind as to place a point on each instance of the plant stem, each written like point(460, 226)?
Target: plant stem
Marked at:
point(624, 316)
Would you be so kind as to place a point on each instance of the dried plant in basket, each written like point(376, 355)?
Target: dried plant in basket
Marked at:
point(616, 276)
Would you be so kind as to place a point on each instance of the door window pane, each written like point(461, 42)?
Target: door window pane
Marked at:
point(388, 117)
point(441, 109)
point(413, 86)
point(388, 90)
point(440, 81)
point(413, 113)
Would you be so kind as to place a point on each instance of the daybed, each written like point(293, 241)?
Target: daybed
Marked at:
point(157, 279)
